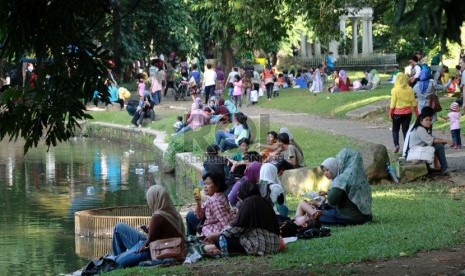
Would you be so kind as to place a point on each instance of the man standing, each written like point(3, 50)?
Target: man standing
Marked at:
point(415, 71)
point(462, 79)
point(210, 82)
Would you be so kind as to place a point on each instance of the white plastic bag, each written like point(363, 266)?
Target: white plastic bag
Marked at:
point(260, 92)
point(254, 96)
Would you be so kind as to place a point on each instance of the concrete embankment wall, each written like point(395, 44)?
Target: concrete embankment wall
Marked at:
point(187, 167)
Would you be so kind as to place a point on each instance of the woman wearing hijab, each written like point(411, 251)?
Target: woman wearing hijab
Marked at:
point(222, 111)
point(130, 247)
point(423, 88)
point(317, 85)
point(272, 188)
point(196, 119)
point(402, 102)
point(344, 82)
point(374, 78)
point(349, 194)
point(251, 174)
point(254, 231)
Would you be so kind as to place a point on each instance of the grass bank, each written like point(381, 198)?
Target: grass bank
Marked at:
point(407, 219)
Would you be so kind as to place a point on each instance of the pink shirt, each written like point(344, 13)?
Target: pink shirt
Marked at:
point(141, 88)
point(237, 88)
point(156, 82)
point(216, 213)
point(196, 119)
point(454, 118)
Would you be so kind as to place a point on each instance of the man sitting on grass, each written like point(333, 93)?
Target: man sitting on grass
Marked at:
point(289, 157)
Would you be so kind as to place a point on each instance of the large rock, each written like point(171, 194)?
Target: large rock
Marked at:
point(305, 179)
point(375, 159)
point(409, 171)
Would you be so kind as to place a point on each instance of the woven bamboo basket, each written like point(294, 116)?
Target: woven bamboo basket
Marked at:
point(99, 223)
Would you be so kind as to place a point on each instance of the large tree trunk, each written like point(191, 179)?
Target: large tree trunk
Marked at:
point(227, 56)
point(117, 39)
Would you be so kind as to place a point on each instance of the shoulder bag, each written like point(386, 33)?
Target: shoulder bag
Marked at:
point(173, 248)
point(433, 102)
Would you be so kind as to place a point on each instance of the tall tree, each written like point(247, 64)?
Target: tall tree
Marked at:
point(442, 18)
point(60, 35)
point(231, 27)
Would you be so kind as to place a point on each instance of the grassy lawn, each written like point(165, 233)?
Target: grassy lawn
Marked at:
point(338, 104)
point(407, 219)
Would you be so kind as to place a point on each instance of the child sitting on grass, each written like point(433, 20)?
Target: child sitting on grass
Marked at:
point(179, 124)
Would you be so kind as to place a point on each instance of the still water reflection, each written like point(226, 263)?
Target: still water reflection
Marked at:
point(40, 192)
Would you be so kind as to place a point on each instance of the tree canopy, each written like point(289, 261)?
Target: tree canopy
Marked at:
point(73, 41)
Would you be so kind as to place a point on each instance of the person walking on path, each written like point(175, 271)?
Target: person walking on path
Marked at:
point(210, 82)
point(400, 112)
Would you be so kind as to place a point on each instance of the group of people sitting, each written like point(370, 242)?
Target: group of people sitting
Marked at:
point(243, 218)
point(341, 82)
point(218, 111)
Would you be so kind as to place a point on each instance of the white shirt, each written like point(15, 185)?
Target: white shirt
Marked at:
point(417, 69)
point(209, 77)
point(232, 75)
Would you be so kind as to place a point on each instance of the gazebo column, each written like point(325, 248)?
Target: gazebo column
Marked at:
point(370, 35)
point(303, 45)
point(317, 46)
point(309, 50)
point(342, 28)
point(354, 36)
point(365, 39)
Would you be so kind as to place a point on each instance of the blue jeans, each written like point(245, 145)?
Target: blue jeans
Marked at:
point(456, 137)
point(440, 153)
point(192, 222)
point(225, 140)
point(332, 217)
point(126, 241)
point(156, 97)
point(237, 100)
point(183, 130)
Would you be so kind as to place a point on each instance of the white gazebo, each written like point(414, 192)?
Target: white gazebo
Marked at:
point(365, 15)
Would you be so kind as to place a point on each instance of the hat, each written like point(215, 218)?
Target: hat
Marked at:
point(454, 107)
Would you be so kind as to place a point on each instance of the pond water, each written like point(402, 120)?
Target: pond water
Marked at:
point(40, 191)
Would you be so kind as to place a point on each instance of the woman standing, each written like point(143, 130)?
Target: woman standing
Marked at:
point(130, 247)
point(402, 101)
point(267, 76)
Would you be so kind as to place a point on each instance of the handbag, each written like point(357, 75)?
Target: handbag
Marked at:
point(421, 153)
point(433, 102)
point(173, 248)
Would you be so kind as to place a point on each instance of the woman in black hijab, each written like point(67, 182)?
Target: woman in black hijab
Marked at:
point(254, 231)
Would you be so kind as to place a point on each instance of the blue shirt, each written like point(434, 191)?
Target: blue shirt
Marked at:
point(329, 61)
point(196, 75)
point(301, 82)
